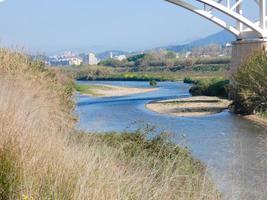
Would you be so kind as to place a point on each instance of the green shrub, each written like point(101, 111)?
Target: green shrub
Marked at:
point(214, 60)
point(153, 83)
point(158, 152)
point(250, 86)
point(189, 80)
point(211, 87)
point(211, 67)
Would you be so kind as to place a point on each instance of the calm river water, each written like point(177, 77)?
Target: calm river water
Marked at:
point(234, 149)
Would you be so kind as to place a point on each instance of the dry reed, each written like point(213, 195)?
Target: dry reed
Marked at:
point(40, 160)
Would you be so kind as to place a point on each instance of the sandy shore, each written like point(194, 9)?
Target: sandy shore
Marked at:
point(114, 91)
point(257, 119)
point(193, 106)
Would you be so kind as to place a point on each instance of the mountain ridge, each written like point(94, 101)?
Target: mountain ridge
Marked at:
point(220, 38)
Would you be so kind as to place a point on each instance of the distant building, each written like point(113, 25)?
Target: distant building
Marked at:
point(92, 60)
point(111, 55)
point(120, 57)
point(75, 61)
point(188, 54)
point(228, 45)
point(84, 57)
point(65, 59)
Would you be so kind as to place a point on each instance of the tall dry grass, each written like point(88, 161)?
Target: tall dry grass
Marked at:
point(41, 157)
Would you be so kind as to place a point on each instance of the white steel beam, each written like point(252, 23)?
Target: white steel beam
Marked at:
point(238, 7)
point(238, 2)
point(262, 13)
point(207, 15)
point(244, 28)
point(241, 19)
point(228, 3)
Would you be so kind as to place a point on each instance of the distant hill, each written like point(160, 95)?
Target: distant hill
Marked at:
point(220, 38)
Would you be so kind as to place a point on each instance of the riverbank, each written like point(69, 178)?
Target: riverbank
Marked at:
point(192, 106)
point(42, 156)
point(101, 90)
point(147, 76)
point(101, 73)
point(258, 119)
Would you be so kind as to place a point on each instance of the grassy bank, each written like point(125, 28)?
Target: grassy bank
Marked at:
point(111, 90)
point(159, 163)
point(91, 89)
point(43, 157)
point(125, 74)
point(148, 76)
point(128, 77)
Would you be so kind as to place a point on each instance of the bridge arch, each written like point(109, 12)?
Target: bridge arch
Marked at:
point(244, 27)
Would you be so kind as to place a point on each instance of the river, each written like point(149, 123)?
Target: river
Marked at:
point(234, 149)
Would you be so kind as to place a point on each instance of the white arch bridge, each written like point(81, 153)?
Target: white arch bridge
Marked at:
point(232, 15)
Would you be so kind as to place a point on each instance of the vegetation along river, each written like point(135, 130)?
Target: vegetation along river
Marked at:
point(234, 149)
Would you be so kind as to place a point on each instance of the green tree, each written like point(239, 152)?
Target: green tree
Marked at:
point(170, 55)
point(250, 85)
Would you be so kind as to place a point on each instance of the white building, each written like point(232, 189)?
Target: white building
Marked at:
point(92, 60)
point(189, 53)
point(75, 61)
point(228, 44)
point(120, 57)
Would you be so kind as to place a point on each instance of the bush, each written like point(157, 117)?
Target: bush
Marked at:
point(213, 87)
point(250, 86)
point(211, 67)
point(157, 152)
point(90, 72)
point(153, 83)
point(189, 80)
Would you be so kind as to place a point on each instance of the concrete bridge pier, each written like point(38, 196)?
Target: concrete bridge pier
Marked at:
point(243, 49)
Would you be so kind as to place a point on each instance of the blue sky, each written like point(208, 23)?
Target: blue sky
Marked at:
point(56, 25)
